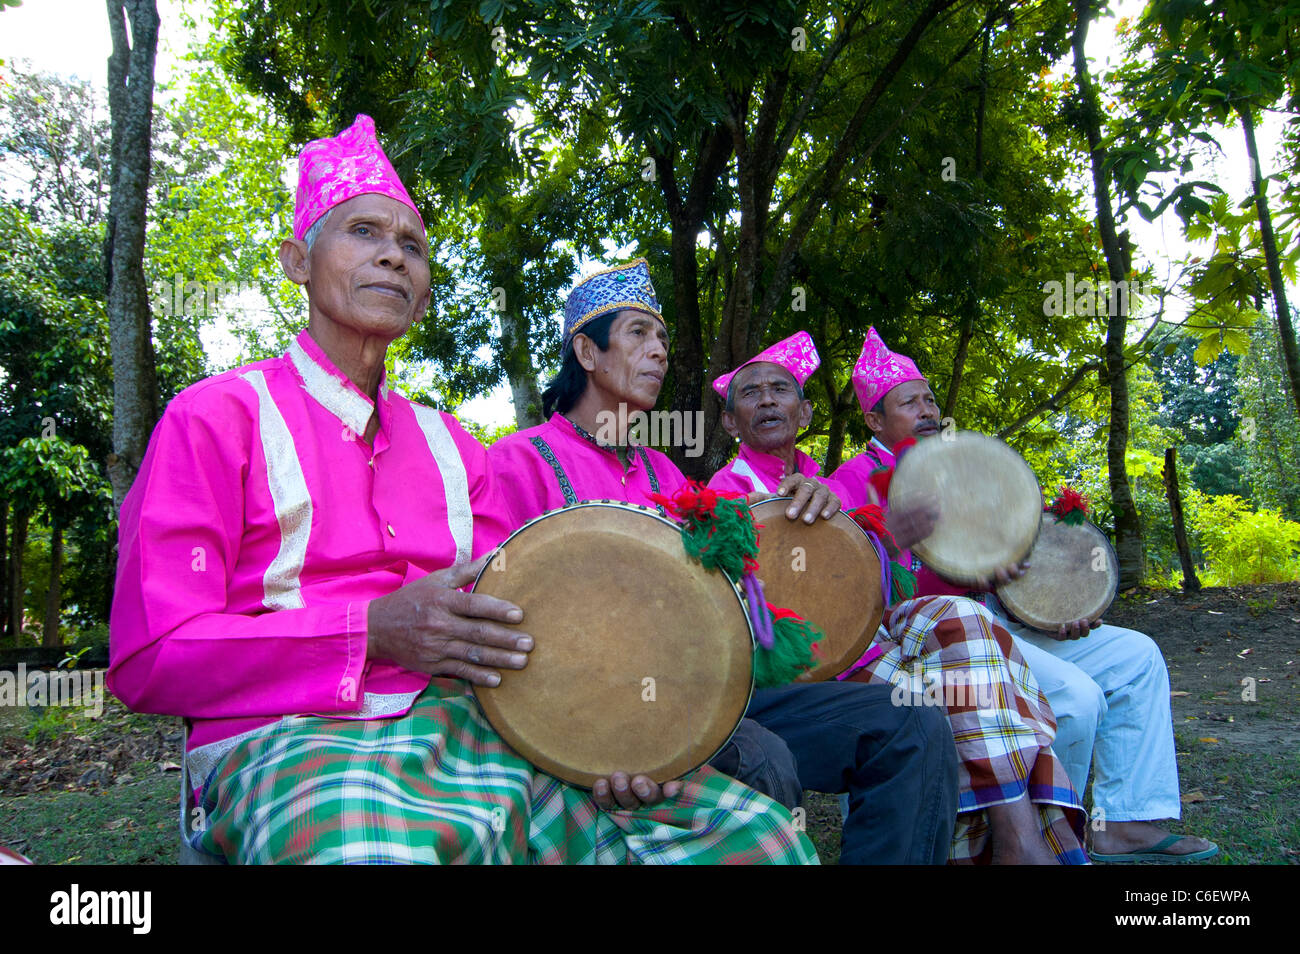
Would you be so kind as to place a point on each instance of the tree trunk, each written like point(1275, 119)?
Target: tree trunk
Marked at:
point(845, 406)
point(516, 355)
point(1190, 583)
point(50, 631)
point(130, 101)
point(1290, 352)
point(1128, 526)
point(17, 547)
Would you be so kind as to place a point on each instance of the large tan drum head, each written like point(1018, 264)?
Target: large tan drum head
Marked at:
point(1073, 574)
point(643, 661)
point(989, 503)
point(827, 572)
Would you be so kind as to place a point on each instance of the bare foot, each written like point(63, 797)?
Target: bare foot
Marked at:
point(1119, 838)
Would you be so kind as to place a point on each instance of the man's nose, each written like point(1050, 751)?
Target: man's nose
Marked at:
point(390, 254)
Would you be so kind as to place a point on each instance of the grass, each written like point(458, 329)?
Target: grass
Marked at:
point(1249, 828)
point(130, 824)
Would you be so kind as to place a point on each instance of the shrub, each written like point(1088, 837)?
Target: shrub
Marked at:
point(1245, 546)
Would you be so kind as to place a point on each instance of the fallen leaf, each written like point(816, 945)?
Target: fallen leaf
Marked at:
point(1179, 692)
point(1196, 796)
point(1208, 738)
point(117, 823)
point(168, 767)
point(1243, 654)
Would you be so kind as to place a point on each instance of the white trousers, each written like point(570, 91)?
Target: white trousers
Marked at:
point(1110, 693)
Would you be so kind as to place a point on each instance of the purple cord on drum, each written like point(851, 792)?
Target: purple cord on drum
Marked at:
point(758, 611)
point(886, 574)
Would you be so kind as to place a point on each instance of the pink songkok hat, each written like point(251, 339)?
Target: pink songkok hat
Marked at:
point(796, 354)
point(880, 370)
point(334, 170)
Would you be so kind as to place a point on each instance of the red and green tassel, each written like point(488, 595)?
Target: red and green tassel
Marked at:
point(718, 532)
point(1070, 507)
point(794, 649)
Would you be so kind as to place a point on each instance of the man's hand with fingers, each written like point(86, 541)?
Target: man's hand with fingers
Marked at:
point(640, 791)
point(432, 626)
point(1075, 629)
point(812, 498)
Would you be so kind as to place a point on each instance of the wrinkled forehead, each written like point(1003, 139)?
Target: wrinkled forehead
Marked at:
point(907, 391)
point(381, 209)
point(762, 373)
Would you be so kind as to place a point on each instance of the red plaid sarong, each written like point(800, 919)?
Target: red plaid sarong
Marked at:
point(951, 651)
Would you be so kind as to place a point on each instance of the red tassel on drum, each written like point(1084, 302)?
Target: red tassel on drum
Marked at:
point(871, 518)
point(1070, 506)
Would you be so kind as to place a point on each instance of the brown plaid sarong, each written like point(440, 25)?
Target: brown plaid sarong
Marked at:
point(950, 651)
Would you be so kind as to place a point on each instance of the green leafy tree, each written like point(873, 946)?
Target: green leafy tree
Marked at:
point(1218, 63)
point(1268, 438)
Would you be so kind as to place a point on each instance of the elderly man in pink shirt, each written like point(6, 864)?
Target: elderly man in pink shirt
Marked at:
point(292, 558)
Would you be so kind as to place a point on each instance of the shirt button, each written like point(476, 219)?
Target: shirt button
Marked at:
point(371, 463)
point(391, 531)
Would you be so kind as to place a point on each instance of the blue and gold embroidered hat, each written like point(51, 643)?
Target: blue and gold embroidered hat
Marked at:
point(614, 289)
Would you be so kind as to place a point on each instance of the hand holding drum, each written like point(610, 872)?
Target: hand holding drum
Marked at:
point(828, 572)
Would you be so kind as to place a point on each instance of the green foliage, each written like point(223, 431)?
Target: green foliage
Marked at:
point(1242, 546)
point(487, 436)
point(51, 722)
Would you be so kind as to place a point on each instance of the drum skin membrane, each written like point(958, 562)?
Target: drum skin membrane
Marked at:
point(643, 660)
point(989, 503)
point(1073, 574)
point(827, 572)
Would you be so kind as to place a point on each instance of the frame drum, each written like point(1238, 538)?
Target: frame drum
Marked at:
point(829, 573)
point(989, 503)
point(1073, 574)
point(643, 659)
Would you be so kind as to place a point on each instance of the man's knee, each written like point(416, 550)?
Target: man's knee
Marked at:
point(760, 759)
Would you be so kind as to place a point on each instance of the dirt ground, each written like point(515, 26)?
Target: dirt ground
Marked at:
point(103, 790)
point(1233, 657)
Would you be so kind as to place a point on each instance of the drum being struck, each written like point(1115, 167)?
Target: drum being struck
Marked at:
point(989, 503)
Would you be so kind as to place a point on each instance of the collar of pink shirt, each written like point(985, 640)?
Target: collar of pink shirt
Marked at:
point(753, 470)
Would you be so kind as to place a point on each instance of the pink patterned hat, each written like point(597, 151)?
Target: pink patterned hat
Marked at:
point(797, 354)
point(880, 370)
point(331, 171)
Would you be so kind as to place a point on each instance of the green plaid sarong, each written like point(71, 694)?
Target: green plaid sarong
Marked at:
point(438, 785)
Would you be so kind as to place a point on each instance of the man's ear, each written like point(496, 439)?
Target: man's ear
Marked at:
point(422, 308)
point(875, 422)
point(584, 349)
point(293, 259)
point(729, 424)
point(805, 413)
